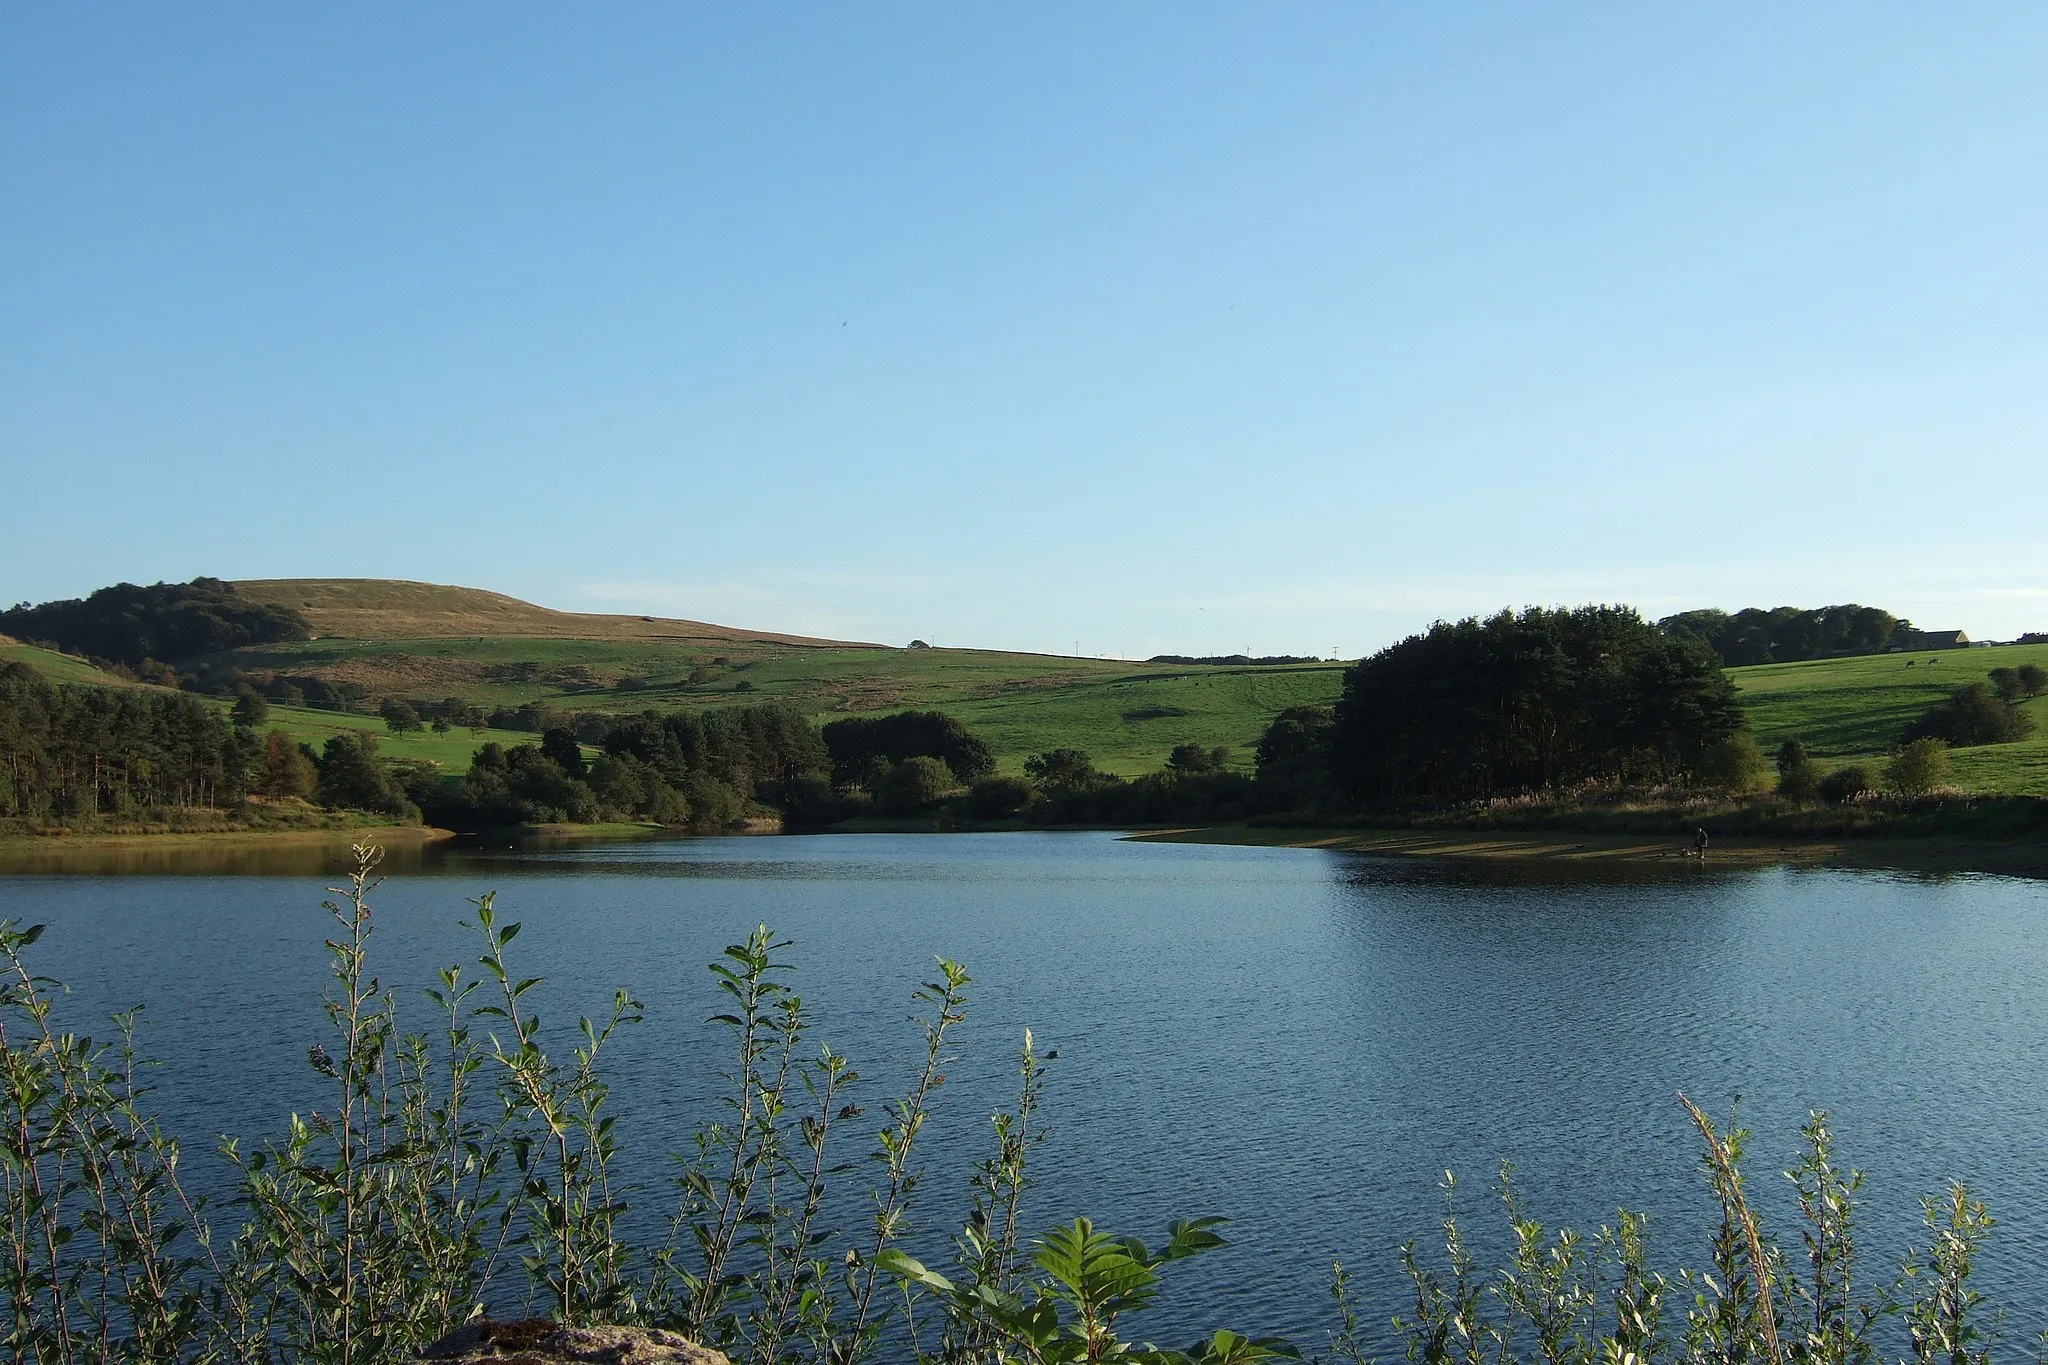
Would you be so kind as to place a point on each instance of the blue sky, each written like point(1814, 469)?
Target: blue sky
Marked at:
point(1117, 329)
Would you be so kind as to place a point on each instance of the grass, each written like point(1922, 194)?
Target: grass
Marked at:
point(60, 668)
point(451, 751)
point(1129, 716)
point(497, 651)
point(1130, 723)
point(1852, 710)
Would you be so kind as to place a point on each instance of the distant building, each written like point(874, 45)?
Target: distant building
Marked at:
point(1914, 640)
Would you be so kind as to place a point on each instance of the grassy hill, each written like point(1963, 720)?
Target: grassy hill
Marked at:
point(1850, 710)
point(61, 668)
point(393, 609)
point(424, 642)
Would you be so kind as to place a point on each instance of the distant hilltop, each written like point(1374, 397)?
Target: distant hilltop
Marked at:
point(394, 609)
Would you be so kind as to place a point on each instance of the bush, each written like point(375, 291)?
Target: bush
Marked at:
point(1972, 715)
point(1919, 767)
point(1844, 785)
point(1798, 774)
point(914, 785)
point(858, 740)
point(999, 798)
point(1735, 764)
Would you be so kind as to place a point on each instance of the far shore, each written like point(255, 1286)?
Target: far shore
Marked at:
point(2011, 858)
point(381, 835)
point(56, 850)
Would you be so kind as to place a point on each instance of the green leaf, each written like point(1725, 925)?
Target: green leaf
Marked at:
point(906, 1267)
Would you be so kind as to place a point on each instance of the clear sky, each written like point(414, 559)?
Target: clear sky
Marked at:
point(1113, 328)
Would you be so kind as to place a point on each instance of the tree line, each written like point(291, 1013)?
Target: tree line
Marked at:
point(75, 751)
point(1259, 661)
point(707, 770)
point(1758, 635)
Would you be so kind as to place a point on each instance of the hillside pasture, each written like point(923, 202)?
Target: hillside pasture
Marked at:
point(452, 751)
point(1853, 710)
point(1130, 723)
point(394, 609)
point(59, 668)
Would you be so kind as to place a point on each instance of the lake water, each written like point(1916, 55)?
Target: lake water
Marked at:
point(1300, 1041)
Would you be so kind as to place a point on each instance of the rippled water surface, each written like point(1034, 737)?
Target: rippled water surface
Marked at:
point(1298, 1040)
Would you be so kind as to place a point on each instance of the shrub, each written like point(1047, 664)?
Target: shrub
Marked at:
point(1919, 767)
point(1972, 715)
point(1844, 785)
point(999, 798)
point(1735, 764)
point(916, 784)
point(1798, 774)
point(2033, 678)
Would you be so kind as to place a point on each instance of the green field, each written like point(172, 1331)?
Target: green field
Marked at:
point(452, 751)
point(59, 668)
point(1128, 716)
point(1852, 710)
point(432, 642)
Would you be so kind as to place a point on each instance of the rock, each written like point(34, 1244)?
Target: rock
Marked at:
point(537, 1341)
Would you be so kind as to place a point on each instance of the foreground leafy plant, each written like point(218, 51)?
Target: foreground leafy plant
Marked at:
point(1089, 1281)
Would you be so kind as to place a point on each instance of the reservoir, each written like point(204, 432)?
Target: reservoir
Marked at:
point(1300, 1041)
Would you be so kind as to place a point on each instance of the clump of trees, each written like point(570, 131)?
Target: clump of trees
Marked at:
point(864, 749)
point(164, 622)
point(217, 678)
point(349, 776)
point(707, 770)
point(2015, 685)
point(77, 752)
point(1529, 701)
point(1757, 635)
point(1972, 715)
point(74, 751)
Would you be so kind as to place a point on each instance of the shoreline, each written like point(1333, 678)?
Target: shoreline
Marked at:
point(123, 840)
point(1941, 855)
point(2008, 858)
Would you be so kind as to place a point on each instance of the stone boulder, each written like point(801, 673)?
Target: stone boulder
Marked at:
point(537, 1341)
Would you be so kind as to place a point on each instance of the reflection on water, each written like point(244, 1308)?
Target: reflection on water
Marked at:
point(275, 855)
point(1302, 1041)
